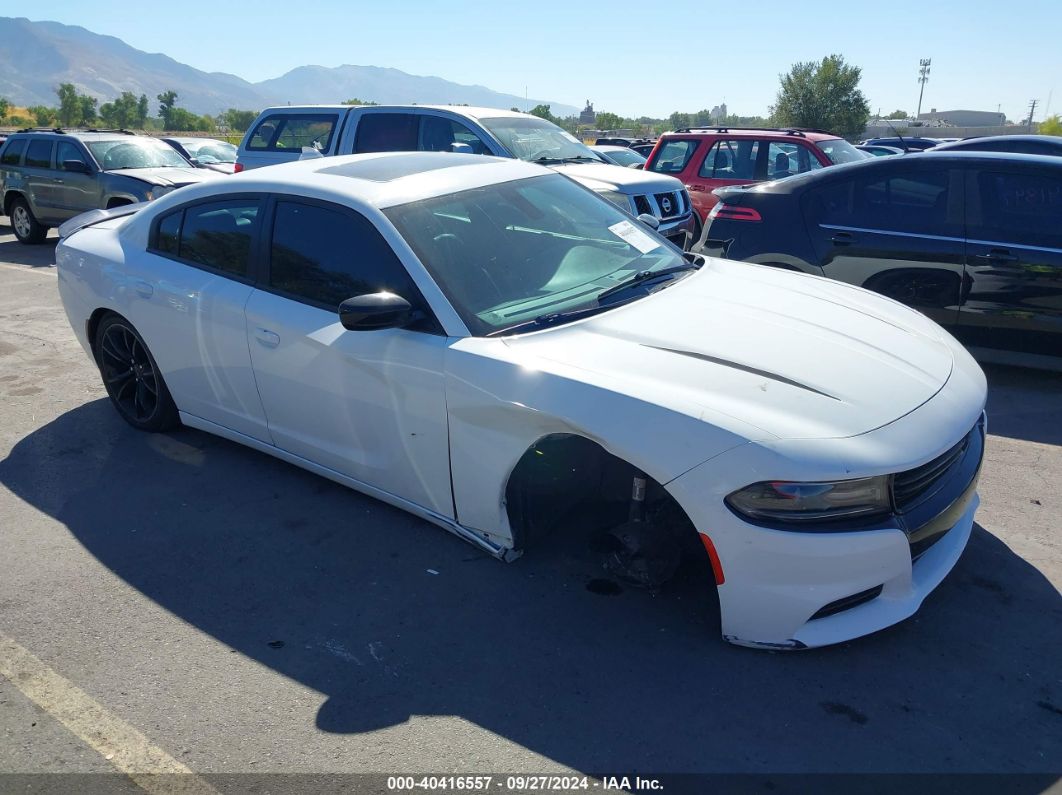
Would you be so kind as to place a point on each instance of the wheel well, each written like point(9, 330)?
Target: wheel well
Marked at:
point(781, 266)
point(9, 199)
point(562, 473)
point(94, 323)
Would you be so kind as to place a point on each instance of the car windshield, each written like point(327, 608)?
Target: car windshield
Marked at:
point(119, 153)
point(534, 139)
point(208, 151)
point(625, 157)
point(840, 151)
point(515, 252)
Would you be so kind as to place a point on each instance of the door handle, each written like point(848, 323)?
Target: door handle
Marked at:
point(843, 239)
point(60, 180)
point(699, 188)
point(267, 337)
point(143, 289)
point(998, 255)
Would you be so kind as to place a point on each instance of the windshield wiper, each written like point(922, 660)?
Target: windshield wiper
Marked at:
point(646, 276)
point(552, 319)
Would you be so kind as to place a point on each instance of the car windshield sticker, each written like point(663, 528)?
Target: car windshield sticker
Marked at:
point(633, 236)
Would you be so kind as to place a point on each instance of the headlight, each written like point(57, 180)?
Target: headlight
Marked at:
point(813, 502)
point(158, 192)
point(621, 200)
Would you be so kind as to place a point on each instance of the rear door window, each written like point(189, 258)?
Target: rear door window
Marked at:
point(39, 154)
point(216, 236)
point(287, 132)
point(673, 156)
point(785, 159)
point(731, 159)
point(386, 132)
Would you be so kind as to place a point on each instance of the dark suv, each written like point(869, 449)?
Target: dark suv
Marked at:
point(48, 176)
point(971, 239)
point(710, 158)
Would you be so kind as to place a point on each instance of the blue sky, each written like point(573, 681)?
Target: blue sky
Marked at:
point(632, 58)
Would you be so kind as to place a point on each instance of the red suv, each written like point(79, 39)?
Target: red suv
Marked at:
point(710, 158)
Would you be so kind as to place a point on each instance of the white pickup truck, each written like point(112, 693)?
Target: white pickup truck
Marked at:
point(281, 134)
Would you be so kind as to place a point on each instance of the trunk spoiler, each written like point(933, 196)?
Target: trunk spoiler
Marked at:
point(93, 217)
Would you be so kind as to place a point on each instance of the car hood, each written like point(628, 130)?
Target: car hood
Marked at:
point(794, 356)
point(169, 176)
point(607, 176)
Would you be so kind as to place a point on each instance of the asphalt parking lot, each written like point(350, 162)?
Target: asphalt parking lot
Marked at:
point(239, 615)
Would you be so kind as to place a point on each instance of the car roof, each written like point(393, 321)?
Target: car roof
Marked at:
point(755, 132)
point(461, 110)
point(1050, 139)
point(381, 179)
point(610, 148)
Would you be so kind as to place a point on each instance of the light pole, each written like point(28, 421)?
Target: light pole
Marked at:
point(923, 78)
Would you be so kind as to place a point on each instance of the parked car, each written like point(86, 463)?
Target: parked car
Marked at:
point(972, 239)
point(1021, 144)
point(706, 159)
point(486, 344)
point(47, 177)
point(206, 153)
point(879, 151)
point(281, 134)
point(620, 156)
point(904, 144)
point(644, 149)
point(629, 143)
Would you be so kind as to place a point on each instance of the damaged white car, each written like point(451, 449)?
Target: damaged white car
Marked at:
point(487, 344)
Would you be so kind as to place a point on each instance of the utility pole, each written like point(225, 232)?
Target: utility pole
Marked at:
point(923, 78)
point(1032, 110)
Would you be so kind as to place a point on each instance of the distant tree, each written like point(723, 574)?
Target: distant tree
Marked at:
point(238, 120)
point(897, 114)
point(609, 121)
point(1052, 125)
point(181, 119)
point(167, 102)
point(123, 112)
point(543, 112)
point(825, 95)
point(43, 116)
point(69, 105)
point(88, 109)
point(357, 101)
point(5, 106)
point(516, 110)
point(142, 112)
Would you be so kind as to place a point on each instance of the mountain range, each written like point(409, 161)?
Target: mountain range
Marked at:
point(35, 57)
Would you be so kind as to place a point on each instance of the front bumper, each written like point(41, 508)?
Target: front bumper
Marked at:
point(679, 231)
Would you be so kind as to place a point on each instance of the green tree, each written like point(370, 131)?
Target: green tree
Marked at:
point(357, 101)
point(167, 102)
point(123, 112)
point(5, 106)
point(184, 120)
point(43, 116)
point(69, 105)
point(141, 112)
point(824, 95)
point(897, 114)
point(609, 121)
point(543, 112)
point(1052, 125)
point(88, 109)
point(238, 120)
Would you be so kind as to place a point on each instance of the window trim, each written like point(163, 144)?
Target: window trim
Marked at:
point(254, 255)
point(431, 321)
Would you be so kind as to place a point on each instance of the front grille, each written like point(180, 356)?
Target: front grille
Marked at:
point(641, 203)
point(910, 486)
point(670, 204)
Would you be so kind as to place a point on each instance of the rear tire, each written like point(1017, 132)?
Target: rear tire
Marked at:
point(26, 227)
point(132, 377)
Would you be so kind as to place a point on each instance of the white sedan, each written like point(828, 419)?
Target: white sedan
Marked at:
point(487, 344)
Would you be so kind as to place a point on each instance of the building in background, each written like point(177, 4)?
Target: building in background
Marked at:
point(965, 118)
point(588, 116)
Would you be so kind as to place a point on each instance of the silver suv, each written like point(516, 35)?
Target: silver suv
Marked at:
point(48, 176)
point(287, 133)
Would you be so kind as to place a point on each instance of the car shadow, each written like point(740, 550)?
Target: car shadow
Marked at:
point(392, 617)
point(1024, 403)
point(36, 256)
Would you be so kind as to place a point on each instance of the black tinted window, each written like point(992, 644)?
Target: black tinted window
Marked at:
point(284, 132)
point(907, 201)
point(67, 151)
point(387, 132)
point(327, 256)
point(168, 233)
point(39, 154)
point(13, 152)
point(1022, 207)
point(219, 235)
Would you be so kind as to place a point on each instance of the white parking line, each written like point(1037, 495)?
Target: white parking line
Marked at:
point(149, 767)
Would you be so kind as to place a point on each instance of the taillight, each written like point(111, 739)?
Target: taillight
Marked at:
point(238, 168)
point(734, 212)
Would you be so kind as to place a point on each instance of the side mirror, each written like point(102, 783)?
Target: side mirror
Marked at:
point(309, 153)
point(194, 161)
point(462, 148)
point(649, 220)
point(636, 165)
point(375, 311)
point(76, 166)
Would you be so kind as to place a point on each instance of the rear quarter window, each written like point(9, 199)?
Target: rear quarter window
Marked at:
point(291, 132)
point(12, 153)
